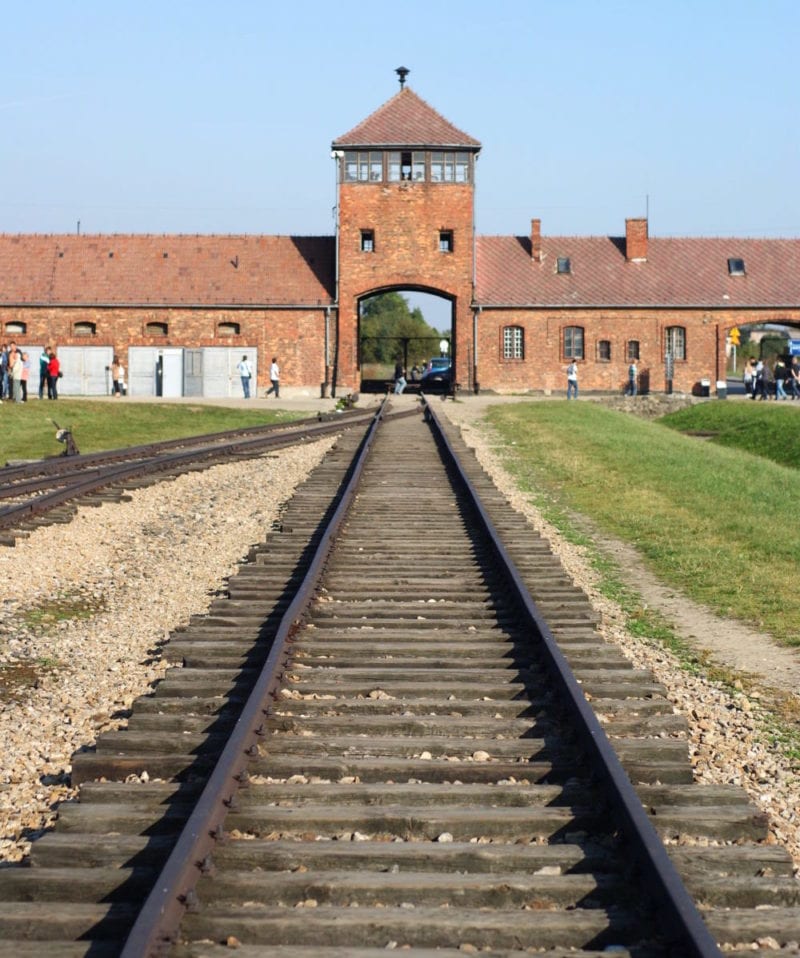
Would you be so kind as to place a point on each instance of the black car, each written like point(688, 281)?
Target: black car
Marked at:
point(437, 376)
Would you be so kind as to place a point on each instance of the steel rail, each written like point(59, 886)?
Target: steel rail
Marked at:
point(31, 476)
point(158, 922)
point(681, 921)
point(130, 470)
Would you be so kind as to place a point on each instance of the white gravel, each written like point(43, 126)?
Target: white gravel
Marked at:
point(132, 572)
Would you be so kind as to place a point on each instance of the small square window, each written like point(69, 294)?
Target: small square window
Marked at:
point(445, 241)
point(563, 265)
point(367, 241)
point(735, 266)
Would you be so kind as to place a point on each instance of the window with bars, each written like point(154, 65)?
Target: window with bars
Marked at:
point(513, 342)
point(573, 342)
point(676, 342)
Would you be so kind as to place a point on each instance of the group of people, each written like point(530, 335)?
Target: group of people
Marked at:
point(631, 386)
point(15, 371)
point(245, 369)
point(776, 382)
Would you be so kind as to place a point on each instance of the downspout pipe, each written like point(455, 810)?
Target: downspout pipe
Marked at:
point(476, 312)
point(337, 157)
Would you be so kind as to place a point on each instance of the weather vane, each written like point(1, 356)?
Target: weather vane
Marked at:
point(402, 72)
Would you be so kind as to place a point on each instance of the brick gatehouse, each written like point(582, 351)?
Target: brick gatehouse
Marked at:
point(180, 310)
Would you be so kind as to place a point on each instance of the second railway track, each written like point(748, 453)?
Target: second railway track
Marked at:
point(418, 781)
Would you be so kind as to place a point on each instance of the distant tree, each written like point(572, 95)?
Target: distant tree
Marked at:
point(386, 321)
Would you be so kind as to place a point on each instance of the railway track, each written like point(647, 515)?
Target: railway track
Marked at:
point(408, 768)
point(50, 490)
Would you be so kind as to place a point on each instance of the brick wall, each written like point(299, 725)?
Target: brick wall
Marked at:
point(406, 219)
point(544, 365)
point(295, 336)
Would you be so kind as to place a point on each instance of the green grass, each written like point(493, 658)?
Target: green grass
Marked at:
point(767, 429)
point(27, 432)
point(712, 521)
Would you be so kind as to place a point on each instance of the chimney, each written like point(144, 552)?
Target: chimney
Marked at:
point(636, 240)
point(536, 241)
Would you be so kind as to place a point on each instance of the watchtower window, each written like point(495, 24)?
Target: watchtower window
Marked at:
point(445, 241)
point(449, 167)
point(366, 167)
point(367, 241)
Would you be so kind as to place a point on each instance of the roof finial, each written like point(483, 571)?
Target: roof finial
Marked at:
point(402, 72)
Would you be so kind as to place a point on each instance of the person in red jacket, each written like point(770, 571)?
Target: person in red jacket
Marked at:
point(53, 375)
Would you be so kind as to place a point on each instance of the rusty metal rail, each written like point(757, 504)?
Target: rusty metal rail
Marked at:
point(158, 922)
point(83, 475)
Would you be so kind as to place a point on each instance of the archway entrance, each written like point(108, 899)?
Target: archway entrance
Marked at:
point(408, 329)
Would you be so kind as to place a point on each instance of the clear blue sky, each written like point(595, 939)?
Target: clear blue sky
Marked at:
point(210, 117)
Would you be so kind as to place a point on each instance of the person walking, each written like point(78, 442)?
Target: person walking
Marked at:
point(399, 378)
point(632, 374)
point(117, 377)
point(572, 380)
point(44, 362)
point(245, 374)
point(794, 378)
point(779, 374)
point(53, 375)
point(15, 374)
point(26, 371)
point(274, 378)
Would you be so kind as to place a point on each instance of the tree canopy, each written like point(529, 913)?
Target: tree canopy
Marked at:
point(389, 326)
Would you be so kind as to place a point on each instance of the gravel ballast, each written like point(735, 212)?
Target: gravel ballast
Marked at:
point(88, 605)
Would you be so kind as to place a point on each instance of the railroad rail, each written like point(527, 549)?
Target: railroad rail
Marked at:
point(381, 737)
point(50, 490)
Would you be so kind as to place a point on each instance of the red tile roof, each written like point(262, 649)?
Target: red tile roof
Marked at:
point(678, 272)
point(170, 270)
point(406, 121)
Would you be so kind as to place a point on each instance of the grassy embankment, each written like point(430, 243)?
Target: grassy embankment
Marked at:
point(27, 430)
point(715, 518)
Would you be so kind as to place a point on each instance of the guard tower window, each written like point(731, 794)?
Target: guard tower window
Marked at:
point(449, 167)
point(366, 167)
point(735, 266)
point(406, 165)
point(445, 241)
point(367, 241)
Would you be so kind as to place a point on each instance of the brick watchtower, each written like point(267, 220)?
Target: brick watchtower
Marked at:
point(405, 219)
